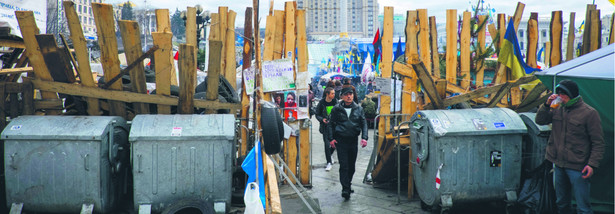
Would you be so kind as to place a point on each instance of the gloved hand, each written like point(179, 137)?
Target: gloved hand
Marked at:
point(363, 143)
point(332, 143)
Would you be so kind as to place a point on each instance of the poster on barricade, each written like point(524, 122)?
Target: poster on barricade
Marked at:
point(248, 80)
point(278, 75)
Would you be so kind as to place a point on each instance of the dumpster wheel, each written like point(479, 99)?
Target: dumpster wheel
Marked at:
point(189, 206)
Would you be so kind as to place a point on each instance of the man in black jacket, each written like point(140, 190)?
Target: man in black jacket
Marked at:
point(346, 123)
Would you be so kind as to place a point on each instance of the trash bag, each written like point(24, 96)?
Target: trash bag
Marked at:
point(249, 166)
point(252, 200)
point(537, 195)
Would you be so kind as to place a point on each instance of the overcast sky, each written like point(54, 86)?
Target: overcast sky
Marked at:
point(435, 7)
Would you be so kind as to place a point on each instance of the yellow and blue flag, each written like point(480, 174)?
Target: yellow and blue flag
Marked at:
point(510, 54)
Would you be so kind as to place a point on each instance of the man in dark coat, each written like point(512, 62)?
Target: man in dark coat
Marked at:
point(347, 122)
point(575, 147)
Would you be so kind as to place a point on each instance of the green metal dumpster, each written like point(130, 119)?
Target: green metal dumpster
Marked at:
point(466, 155)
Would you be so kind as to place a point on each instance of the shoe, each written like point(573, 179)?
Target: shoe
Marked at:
point(346, 194)
point(328, 168)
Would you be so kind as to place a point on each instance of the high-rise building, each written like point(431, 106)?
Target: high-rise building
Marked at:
point(324, 17)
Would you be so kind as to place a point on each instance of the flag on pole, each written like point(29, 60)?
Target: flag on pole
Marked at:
point(367, 68)
point(377, 43)
point(510, 54)
point(398, 51)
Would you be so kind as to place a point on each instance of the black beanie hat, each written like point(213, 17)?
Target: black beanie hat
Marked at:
point(346, 90)
point(567, 87)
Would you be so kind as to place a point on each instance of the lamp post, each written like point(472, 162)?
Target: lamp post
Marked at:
point(202, 21)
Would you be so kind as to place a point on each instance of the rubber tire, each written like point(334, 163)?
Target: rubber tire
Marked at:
point(203, 96)
point(271, 132)
point(224, 88)
point(153, 108)
point(193, 204)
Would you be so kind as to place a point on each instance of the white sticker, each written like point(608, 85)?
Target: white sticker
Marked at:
point(436, 123)
point(177, 131)
point(290, 54)
point(15, 127)
point(413, 96)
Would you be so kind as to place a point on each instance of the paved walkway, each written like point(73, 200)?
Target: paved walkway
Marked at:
point(327, 189)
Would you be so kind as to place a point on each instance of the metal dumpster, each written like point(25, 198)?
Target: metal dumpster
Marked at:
point(466, 155)
point(58, 163)
point(534, 142)
point(182, 157)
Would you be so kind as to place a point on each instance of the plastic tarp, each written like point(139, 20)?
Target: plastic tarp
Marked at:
point(595, 74)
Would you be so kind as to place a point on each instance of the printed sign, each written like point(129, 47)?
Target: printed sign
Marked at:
point(248, 80)
point(499, 125)
point(383, 85)
point(278, 75)
point(8, 8)
point(177, 131)
point(15, 127)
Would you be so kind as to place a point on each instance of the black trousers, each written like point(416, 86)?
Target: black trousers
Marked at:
point(347, 148)
point(328, 150)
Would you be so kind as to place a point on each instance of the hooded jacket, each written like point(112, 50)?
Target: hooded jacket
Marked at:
point(340, 125)
point(576, 135)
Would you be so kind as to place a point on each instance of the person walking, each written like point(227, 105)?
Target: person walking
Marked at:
point(323, 111)
point(575, 147)
point(347, 122)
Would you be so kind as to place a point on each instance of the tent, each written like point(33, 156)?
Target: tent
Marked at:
point(594, 73)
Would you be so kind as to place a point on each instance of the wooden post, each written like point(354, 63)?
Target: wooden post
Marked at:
point(245, 100)
point(500, 75)
point(451, 46)
point(518, 15)
point(214, 30)
point(105, 28)
point(57, 61)
point(596, 28)
point(229, 46)
point(222, 25)
point(190, 26)
point(163, 66)
point(81, 51)
point(131, 37)
point(408, 95)
point(532, 38)
point(289, 49)
point(278, 48)
point(187, 78)
point(27, 97)
point(464, 45)
point(570, 43)
point(385, 67)
point(434, 48)
point(270, 28)
point(556, 38)
point(548, 54)
point(423, 41)
point(587, 32)
point(305, 167)
point(480, 65)
point(213, 73)
point(28, 29)
point(163, 24)
point(612, 34)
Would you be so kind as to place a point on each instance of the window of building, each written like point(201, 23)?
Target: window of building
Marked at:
point(521, 45)
point(520, 33)
point(544, 33)
point(79, 8)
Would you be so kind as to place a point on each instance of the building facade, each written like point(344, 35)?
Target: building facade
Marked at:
point(324, 17)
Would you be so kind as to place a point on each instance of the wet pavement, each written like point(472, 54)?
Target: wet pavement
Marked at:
point(326, 188)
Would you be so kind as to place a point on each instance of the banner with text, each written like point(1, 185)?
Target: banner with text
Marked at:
point(278, 75)
point(8, 8)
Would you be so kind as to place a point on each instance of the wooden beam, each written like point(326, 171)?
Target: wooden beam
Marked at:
point(499, 95)
point(441, 88)
point(214, 32)
point(428, 84)
point(57, 61)
point(12, 44)
point(213, 73)
point(131, 38)
point(434, 48)
point(289, 31)
point(272, 183)
point(556, 38)
point(191, 26)
point(385, 68)
point(570, 43)
point(124, 96)
point(56, 104)
point(278, 49)
point(533, 95)
point(231, 66)
point(612, 34)
point(500, 75)
point(423, 38)
point(305, 166)
point(7, 71)
point(245, 100)
point(532, 44)
point(464, 46)
point(480, 65)
point(518, 14)
point(28, 29)
point(533, 104)
point(548, 54)
point(223, 14)
point(451, 46)
point(187, 78)
point(494, 35)
point(409, 94)
point(105, 25)
point(27, 97)
point(587, 32)
point(163, 24)
point(163, 67)
point(595, 31)
point(270, 28)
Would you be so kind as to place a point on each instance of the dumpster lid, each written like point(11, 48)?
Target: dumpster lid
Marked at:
point(182, 127)
point(529, 119)
point(484, 121)
point(35, 127)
